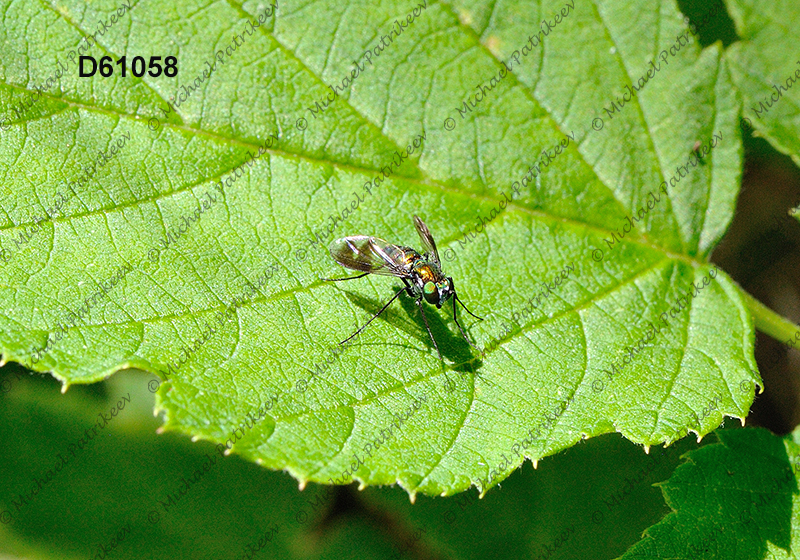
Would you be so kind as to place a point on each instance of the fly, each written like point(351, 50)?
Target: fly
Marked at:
point(421, 274)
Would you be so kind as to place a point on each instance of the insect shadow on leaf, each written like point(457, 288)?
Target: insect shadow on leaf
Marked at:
point(452, 346)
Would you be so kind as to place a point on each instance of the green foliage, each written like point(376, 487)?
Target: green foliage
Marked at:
point(131, 494)
point(577, 164)
point(734, 499)
point(766, 72)
point(592, 501)
point(190, 253)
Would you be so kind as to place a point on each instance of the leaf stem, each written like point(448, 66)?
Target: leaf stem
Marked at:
point(769, 322)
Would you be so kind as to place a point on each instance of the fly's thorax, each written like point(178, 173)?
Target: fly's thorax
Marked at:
point(423, 272)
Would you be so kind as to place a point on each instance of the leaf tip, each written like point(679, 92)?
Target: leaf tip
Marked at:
point(647, 449)
point(301, 484)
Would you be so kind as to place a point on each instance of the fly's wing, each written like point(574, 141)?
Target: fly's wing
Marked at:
point(428, 244)
point(368, 254)
point(397, 258)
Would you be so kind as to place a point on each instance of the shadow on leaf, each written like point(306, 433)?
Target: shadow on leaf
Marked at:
point(452, 345)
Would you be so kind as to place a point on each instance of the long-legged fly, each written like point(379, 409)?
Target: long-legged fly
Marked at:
point(422, 274)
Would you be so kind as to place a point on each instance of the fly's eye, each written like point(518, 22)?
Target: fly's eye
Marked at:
point(430, 292)
point(443, 294)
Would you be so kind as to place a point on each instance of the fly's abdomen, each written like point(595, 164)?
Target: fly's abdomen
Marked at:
point(407, 257)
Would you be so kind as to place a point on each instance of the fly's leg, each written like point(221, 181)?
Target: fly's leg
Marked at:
point(364, 326)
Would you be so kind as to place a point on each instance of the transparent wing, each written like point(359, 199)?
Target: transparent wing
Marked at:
point(368, 254)
point(428, 244)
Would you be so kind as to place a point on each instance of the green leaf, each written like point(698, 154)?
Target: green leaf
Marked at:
point(734, 499)
point(216, 275)
point(592, 501)
point(766, 72)
point(135, 495)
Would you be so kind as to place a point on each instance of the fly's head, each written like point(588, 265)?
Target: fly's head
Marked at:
point(436, 293)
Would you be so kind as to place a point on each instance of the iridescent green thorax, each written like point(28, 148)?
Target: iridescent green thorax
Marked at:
point(425, 270)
